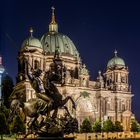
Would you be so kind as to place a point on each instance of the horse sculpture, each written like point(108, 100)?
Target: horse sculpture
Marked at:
point(48, 98)
point(54, 94)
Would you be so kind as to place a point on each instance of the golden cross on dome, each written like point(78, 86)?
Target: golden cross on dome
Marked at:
point(115, 52)
point(31, 31)
point(53, 10)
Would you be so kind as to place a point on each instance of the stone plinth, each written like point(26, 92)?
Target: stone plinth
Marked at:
point(47, 138)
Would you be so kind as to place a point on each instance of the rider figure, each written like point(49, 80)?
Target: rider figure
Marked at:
point(37, 84)
point(46, 89)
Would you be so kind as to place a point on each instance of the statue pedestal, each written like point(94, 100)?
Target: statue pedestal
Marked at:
point(46, 138)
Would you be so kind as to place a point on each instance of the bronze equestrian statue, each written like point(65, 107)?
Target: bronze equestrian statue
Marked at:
point(48, 97)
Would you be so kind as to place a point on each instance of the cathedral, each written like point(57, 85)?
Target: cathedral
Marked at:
point(107, 97)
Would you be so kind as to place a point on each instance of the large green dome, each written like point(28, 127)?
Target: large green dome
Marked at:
point(50, 41)
point(54, 40)
point(116, 61)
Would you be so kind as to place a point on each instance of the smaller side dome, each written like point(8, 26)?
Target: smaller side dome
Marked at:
point(31, 41)
point(115, 61)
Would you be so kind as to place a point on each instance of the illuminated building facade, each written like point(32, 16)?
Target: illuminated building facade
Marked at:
point(107, 97)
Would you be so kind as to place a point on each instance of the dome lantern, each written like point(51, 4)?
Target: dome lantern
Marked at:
point(31, 32)
point(53, 27)
point(115, 52)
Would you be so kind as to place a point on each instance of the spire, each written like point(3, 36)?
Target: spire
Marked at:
point(53, 27)
point(115, 52)
point(31, 31)
point(53, 15)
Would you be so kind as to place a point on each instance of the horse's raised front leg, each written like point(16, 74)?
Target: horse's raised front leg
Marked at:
point(66, 100)
point(67, 110)
point(73, 103)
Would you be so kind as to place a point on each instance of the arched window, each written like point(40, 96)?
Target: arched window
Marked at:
point(22, 66)
point(116, 77)
point(36, 64)
point(76, 73)
point(108, 106)
point(123, 107)
point(67, 48)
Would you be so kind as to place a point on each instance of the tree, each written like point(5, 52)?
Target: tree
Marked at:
point(118, 127)
point(7, 88)
point(17, 125)
point(3, 125)
point(134, 126)
point(108, 126)
point(97, 126)
point(70, 125)
point(86, 126)
point(5, 111)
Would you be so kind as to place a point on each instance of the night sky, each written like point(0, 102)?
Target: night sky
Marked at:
point(97, 28)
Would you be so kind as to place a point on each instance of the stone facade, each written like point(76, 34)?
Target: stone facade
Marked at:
point(107, 97)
